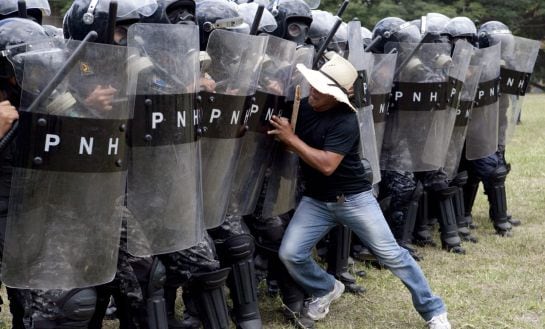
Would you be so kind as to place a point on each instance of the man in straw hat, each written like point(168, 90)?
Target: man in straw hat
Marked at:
point(336, 191)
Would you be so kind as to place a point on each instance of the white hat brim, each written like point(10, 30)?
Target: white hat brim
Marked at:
point(324, 85)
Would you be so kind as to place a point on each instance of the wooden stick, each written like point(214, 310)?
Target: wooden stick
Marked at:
point(295, 109)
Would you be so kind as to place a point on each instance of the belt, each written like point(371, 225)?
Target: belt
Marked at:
point(340, 198)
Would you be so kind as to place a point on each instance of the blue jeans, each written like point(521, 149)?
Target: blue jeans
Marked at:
point(362, 214)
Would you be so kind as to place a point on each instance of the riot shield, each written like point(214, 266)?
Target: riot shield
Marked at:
point(420, 117)
point(10, 6)
point(270, 99)
point(463, 115)
point(482, 130)
point(279, 190)
point(381, 78)
point(515, 76)
point(235, 66)
point(363, 63)
point(445, 121)
point(69, 172)
point(164, 196)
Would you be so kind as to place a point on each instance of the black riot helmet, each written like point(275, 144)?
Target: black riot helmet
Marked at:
point(432, 28)
point(461, 28)
point(367, 36)
point(322, 23)
point(490, 33)
point(394, 29)
point(173, 12)
point(433, 23)
point(218, 14)
point(35, 9)
point(92, 15)
point(15, 33)
point(293, 17)
point(267, 24)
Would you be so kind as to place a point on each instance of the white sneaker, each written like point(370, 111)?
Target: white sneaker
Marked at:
point(319, 306)
point(439, 322)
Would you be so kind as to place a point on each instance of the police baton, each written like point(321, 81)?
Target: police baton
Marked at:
point(21, 7)
point(372, 44)
point(112, 15)
point(257, 19)
point(341, 10)
point(324, 45)
point(51, 85)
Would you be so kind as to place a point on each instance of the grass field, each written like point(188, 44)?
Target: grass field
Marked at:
point(498, 284)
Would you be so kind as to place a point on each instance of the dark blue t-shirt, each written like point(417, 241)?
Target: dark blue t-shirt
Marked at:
point(335, 130)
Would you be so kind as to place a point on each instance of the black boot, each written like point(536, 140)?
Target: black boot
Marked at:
point(156, 308)
point(338, 258)
point(495, 190)
point(458, 202)
point(422, 233)
point(238, 253)
point(207, 289)
point(190, 319)
point(470, 193)
point(450, 240)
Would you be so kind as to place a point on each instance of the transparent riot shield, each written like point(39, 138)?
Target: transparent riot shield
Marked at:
point(444, 120)
point(10, 6)
point(363, 63)
point(381, 78)
point(235, 66)
point(164, 195)
point(279, 191)
point(463, 115)
point(69, 173)
point(415, 136)
point(482, 130)
point(515, 76)
point(256, 149)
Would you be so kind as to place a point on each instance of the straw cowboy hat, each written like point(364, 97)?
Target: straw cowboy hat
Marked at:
point(334, 78)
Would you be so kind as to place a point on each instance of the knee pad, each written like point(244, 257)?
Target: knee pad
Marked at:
point(269, 232)
point(237, 248)
point(232, 226)
point(76, 308)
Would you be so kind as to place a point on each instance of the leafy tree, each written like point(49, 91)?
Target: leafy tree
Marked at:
point(525, 18)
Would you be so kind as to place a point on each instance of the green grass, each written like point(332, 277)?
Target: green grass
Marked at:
point(498, 284)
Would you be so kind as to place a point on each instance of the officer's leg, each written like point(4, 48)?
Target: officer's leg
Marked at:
point(458, 201)
point(16, 307)
point(401, 213)
point(503, 162)
point(494, 187)
point(207, 289)
point(338, 257)
point(441, 196)
point(422, 232)
point(268, 233)
point(61, 309)
point(469, 194)
point(195, 263)
point(104, 292)
point(450, 240)
point(236, 249)
point(156, 309)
